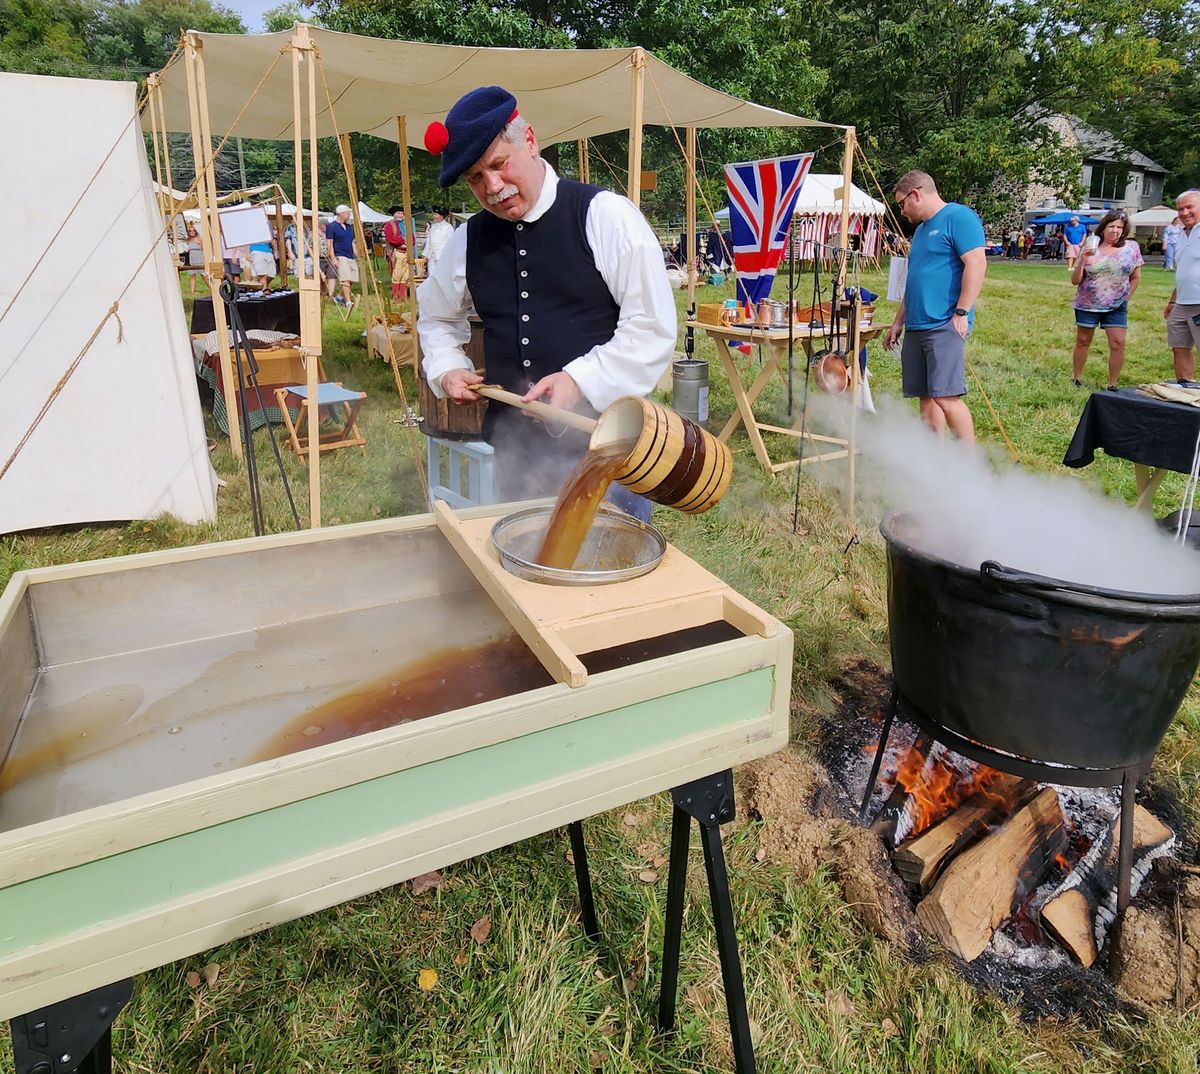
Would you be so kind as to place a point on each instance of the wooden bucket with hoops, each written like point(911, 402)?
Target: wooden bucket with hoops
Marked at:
point(673, 461)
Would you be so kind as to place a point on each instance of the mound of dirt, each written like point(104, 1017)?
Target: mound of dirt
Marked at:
point(803, 828)
point(1149, 964)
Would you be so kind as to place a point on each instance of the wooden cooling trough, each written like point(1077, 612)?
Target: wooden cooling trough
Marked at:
point(176, 774)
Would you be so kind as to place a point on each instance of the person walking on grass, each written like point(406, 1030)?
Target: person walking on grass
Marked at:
point(1105, 276)
point(340, 237)
point(1183, 310)
point(946, 265)
point(1171, 236)
point(1074, 233)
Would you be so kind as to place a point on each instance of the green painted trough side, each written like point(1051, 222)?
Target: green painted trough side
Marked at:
point(134, 882)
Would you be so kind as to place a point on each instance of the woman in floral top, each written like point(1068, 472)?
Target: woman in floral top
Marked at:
point(1106, 278)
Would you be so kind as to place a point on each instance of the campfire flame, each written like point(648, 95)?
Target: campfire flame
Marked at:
point(935, 787)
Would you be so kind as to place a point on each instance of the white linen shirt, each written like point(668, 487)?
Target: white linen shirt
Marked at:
point(628, 258)
point(1187, 268)
point(436, 238)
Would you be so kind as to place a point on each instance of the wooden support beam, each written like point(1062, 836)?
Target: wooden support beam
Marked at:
point(689, 213)
point(585, 164)
point(304, 61)
point(365, 249)
point(280, 241)
point(210, 225)
point(410, 235)
point(844, 223)
point(636, 113)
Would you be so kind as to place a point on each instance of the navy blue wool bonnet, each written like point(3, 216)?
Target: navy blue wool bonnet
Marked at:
point(471, 126)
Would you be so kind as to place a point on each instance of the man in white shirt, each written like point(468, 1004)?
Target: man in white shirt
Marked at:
point(568, 281)
point(1183, 310)
point(440, 230)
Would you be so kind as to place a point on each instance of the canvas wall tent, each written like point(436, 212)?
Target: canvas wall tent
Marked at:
point(125, 438)
point(818, 216)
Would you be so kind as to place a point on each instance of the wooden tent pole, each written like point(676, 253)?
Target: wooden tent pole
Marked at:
point(360, 232)
point(406, 197)
point(689, 213)
point(585, 164)
point(280, 242)
point(176, 211)
point(161, 195)
point(310, 286)
point(637, 110)
point(844, 233)
point(410, 244)
point(210, 227)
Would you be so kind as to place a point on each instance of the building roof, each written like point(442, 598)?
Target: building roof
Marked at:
point(1100, 145)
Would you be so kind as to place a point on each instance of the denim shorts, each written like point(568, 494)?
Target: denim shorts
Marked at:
point(1117, 317)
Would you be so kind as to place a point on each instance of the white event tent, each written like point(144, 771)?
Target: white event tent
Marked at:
point(818, 216)
point(124, 437)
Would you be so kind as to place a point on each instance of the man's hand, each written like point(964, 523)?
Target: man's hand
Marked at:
point(558, 389)
point(961, 325)
point(1167, 311)
point(893, 335)
point(457, 385)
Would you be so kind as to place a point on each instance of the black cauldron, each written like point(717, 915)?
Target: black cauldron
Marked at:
point(1036, 668)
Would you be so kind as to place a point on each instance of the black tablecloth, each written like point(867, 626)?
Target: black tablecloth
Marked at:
point(1128, 425)
point(274, 313)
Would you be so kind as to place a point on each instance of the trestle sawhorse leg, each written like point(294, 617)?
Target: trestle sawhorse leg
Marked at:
point(73, 1035)
point(710, 802)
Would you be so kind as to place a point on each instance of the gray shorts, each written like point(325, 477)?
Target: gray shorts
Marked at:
point(931, 363)
point(1182, 331)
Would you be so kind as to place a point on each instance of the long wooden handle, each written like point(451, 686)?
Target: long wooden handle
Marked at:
point(542, 410)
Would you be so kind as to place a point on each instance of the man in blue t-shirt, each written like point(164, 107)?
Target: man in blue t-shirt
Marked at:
point(1074, 233)
point(339, 237)
point(946, 264)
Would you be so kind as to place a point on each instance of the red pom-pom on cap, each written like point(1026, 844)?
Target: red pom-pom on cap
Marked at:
point(437, 138)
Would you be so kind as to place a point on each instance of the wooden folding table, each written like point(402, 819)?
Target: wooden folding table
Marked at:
point(776, 343)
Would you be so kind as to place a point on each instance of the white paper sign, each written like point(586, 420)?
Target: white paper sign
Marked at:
point(897, 278)
point(244, 225)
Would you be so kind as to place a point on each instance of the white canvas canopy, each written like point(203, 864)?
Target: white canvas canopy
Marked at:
point(817, 196)
point(565, 94)
point(367, 215)
point(1158, 216)
point(124, 439)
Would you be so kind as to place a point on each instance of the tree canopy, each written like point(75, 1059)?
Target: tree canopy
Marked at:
point(959, 88)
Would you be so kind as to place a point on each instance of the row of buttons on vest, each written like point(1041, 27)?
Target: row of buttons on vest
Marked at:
point(524, 294)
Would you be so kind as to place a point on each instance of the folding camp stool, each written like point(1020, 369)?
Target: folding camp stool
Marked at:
point(331, 395)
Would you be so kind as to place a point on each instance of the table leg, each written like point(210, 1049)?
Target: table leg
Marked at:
point(1148, 481)
point(743, 404)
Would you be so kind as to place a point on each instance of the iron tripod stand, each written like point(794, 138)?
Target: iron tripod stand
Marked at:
point(710, 802)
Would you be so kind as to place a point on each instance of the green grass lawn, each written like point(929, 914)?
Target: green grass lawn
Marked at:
point(338, 992)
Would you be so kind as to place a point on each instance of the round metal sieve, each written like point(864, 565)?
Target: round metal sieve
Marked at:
point(618, 547)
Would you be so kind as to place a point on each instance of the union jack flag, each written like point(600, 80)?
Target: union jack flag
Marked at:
point(762, 198)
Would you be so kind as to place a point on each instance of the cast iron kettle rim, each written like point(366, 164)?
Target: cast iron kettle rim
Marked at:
point(1175, 606)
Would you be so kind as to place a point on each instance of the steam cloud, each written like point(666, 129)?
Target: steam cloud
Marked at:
point(1035, 523)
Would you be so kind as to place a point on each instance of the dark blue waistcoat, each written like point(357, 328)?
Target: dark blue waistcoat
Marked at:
point(537, 290)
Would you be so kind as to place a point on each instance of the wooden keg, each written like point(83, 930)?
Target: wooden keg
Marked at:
point(446, 420)
point(673, 461)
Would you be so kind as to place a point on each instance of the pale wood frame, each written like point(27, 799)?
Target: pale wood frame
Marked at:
point(776, 340)
point(78, 838)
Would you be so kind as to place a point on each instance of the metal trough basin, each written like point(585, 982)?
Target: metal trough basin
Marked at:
point(202, 743)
